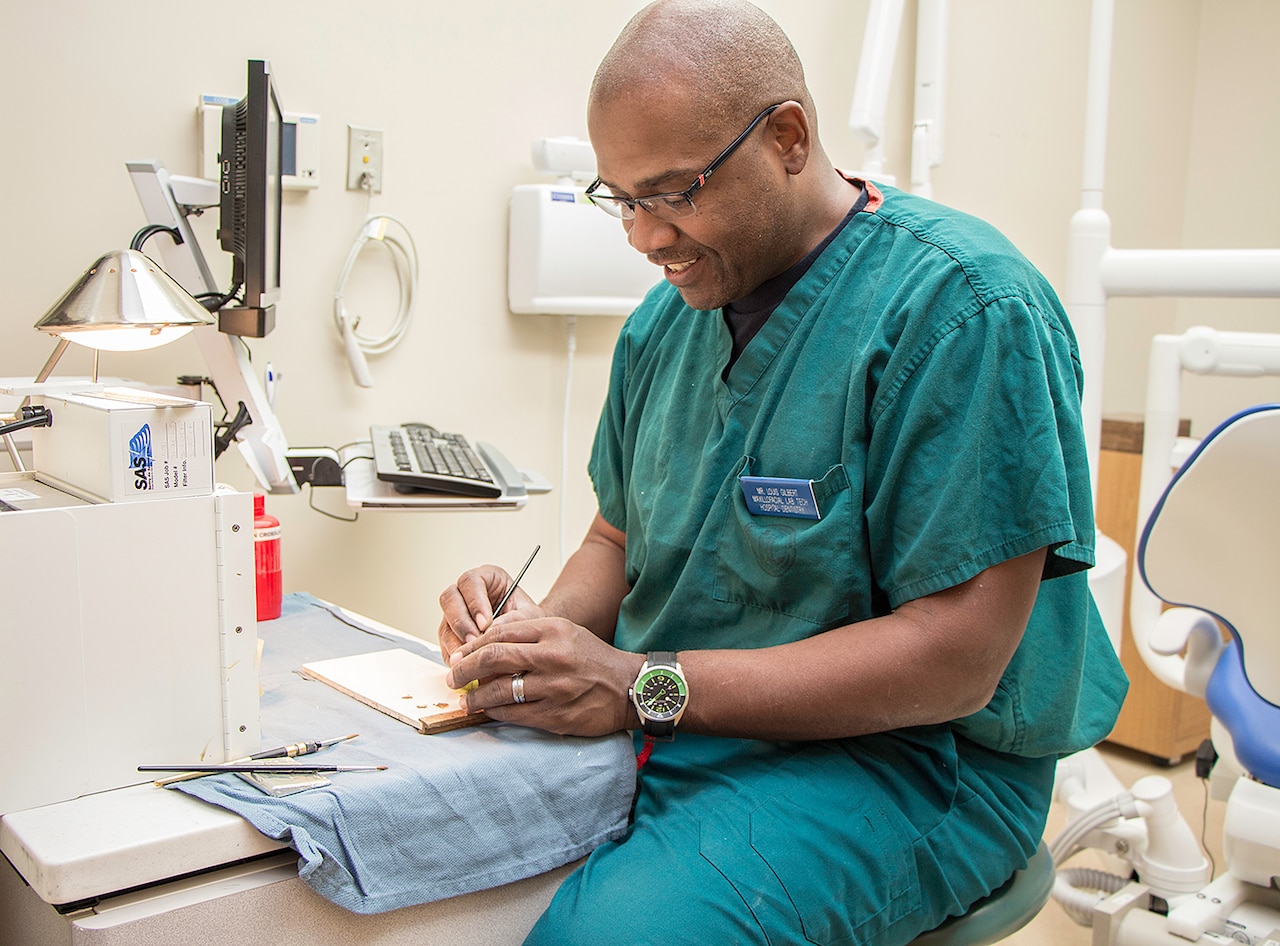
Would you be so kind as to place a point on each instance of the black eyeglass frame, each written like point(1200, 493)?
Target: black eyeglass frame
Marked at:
point(670, 207)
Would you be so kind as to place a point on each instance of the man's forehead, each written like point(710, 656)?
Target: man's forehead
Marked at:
point(639, 173)
point(648, 141)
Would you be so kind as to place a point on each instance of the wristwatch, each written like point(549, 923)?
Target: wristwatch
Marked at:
point(660, 695)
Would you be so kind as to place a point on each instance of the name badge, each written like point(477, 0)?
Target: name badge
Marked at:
point(776, 496)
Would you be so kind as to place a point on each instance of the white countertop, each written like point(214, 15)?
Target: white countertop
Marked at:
point(116, 840)
point(99, 844)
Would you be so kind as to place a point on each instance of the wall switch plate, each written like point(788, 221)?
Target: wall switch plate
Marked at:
point(364, 159)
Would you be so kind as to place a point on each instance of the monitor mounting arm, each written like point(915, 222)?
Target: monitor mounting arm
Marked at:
point(262, 441)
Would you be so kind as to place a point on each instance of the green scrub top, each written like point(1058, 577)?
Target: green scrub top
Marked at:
point(923, 375)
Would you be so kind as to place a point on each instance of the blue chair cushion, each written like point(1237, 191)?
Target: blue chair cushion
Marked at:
point(1254, 723)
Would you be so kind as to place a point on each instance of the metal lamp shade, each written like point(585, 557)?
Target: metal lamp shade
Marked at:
point(124, 301)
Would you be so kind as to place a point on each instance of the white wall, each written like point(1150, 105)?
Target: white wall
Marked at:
point(460, 91)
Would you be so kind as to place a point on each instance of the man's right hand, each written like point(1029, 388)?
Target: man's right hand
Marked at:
point(467, 605)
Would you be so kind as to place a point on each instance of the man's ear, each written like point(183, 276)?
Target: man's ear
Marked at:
point(790, 135)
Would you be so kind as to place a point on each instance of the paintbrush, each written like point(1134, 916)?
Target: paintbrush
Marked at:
point(292, 750)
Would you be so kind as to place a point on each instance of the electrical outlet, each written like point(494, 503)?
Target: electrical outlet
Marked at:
point(364, 159)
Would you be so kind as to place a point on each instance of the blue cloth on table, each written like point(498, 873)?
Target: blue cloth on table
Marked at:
point(454, 813)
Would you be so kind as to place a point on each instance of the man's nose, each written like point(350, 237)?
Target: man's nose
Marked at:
point(648, 233)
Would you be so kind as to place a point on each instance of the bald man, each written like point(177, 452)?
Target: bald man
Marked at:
point(836, 584)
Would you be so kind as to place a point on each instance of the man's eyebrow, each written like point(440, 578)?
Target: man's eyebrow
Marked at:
point(658, 183)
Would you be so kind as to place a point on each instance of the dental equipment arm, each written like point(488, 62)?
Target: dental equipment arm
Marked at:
point(871, 88)
point(1161, 636)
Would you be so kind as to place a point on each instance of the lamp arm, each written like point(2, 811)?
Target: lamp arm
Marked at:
point(47, 370)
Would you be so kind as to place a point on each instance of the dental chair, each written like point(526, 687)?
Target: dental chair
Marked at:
point(1206, 551)
point(1200, 553)
point(1203, 547)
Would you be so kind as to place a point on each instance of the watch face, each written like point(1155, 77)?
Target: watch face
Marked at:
point(661, 693)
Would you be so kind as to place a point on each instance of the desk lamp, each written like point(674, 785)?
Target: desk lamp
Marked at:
point(123, 302)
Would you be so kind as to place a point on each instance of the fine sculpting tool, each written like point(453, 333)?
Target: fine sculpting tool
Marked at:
point(298, 748)
point(290, 751)
point(502, 603)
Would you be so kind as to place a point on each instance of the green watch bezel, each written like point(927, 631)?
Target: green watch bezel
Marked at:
point(649, 675)
point(662, 670)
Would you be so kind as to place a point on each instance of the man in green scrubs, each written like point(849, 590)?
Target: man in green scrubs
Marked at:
point(844, 522)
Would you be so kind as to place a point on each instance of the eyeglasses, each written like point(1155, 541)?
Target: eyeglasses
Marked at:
point(675, 205)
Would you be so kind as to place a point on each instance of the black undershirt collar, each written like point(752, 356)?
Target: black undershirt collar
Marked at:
point(746, 316)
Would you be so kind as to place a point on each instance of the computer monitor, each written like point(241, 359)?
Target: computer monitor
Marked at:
point(251, 185)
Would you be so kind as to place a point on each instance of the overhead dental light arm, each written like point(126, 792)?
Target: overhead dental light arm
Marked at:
point(930, 101)
point(1097, 271)
point(871, 88)
point(262, 442)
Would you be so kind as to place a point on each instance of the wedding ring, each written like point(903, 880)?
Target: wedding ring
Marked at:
point(517, 687)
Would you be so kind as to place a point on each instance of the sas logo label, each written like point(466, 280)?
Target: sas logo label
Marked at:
point(140, 459)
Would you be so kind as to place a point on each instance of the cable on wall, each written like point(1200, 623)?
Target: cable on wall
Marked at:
point(572, 325)
point(404, 257)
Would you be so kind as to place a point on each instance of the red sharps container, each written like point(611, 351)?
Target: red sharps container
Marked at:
point(266, 553)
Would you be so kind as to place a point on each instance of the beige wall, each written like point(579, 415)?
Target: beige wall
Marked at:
point(461, 89)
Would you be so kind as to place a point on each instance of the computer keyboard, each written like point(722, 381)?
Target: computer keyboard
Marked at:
point(418, 456)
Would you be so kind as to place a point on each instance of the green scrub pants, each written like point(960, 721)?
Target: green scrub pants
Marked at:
point(870, 841)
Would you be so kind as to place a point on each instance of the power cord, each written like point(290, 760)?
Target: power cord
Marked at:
point(147, 232)
point(307, 482)
point(404, 256)
point(571, 325)
point(1206, 759)
point(212, 301)
point(27, 417)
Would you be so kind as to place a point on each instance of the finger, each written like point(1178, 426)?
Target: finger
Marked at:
point(480, 589)
point(505, 649)
point(520, 607)
point(518, 627)
point(466, 604)
point(480, 660)
point(505, 691)
point(448, 640)
point(457, 616)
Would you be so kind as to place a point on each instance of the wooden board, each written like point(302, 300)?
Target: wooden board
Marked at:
point(403, 685)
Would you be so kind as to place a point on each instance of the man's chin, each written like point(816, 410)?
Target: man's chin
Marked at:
point(705, 300)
